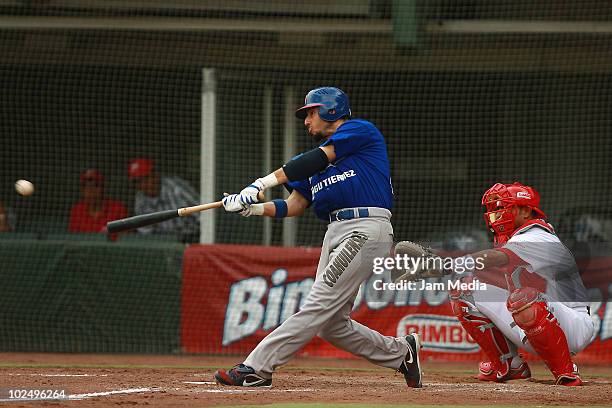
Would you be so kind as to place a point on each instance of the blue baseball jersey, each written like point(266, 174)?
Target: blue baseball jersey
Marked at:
point(359, 176)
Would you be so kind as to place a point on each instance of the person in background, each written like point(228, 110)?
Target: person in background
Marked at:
point(94, 209)
point(157, 192)
point(7, 218)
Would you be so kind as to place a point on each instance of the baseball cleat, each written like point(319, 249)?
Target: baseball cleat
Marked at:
point(570, 379)
point(411, 366)
point(242, 376)
point(486, 372)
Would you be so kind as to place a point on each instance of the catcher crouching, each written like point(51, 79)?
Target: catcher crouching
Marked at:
point(544, 307)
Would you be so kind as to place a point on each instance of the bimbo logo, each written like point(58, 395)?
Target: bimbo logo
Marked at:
point(253, 305)
point(438, 333)
point(523, 194)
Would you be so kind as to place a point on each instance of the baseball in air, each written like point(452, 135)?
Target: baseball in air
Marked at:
point(24, 187)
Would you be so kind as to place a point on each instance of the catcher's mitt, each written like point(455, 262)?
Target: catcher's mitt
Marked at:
point(423, 263)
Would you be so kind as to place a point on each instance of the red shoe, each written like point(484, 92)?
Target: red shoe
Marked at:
point(488, 373)
point(570, 379)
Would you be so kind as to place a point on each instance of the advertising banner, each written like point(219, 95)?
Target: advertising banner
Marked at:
point(233, 296)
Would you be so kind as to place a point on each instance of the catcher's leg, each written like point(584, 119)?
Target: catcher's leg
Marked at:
point(504, 363)
point(531, 313)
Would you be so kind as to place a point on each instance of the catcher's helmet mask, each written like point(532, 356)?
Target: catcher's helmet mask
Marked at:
point(499, 201)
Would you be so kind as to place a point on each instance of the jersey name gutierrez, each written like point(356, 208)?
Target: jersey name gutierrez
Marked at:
point(331, 180)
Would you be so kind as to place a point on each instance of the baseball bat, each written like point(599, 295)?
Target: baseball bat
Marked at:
point(138, 221)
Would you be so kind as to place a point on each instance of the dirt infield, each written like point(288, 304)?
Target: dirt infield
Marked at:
point(180, 381)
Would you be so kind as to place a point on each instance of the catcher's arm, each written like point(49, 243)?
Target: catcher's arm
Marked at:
point(431, 265)
point(491, 257)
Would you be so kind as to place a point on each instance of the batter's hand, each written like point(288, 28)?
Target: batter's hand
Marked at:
point(248, 195)
point(231, 203)
point(255, 209)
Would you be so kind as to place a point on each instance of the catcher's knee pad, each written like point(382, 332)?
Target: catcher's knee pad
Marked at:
point(531, 313)
point(456, 294)
point(462, 302)
point(496, 346)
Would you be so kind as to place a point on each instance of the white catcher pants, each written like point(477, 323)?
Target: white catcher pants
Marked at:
point(577, 324)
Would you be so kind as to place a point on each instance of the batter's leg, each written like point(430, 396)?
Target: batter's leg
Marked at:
point(355, 243)
point(354, 337)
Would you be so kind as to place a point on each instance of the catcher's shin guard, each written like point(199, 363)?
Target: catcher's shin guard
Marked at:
point(530, 312)
point(496, 346)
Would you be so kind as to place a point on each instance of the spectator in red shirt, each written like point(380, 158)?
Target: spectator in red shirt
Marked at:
point(7, 218)
point(94, 209)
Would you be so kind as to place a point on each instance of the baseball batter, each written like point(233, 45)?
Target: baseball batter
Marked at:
point(347, 182)
point(545, 311)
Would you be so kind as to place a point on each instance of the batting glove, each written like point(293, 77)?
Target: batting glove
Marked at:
point(231, 203)
point(255, 209)
point(248, 195)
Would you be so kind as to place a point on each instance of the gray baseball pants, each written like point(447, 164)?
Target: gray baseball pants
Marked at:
point(349, 248)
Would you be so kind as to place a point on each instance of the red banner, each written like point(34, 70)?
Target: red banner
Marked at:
point(233, 296)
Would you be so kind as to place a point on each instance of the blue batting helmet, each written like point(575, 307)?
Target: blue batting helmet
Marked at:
point(333, 104)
